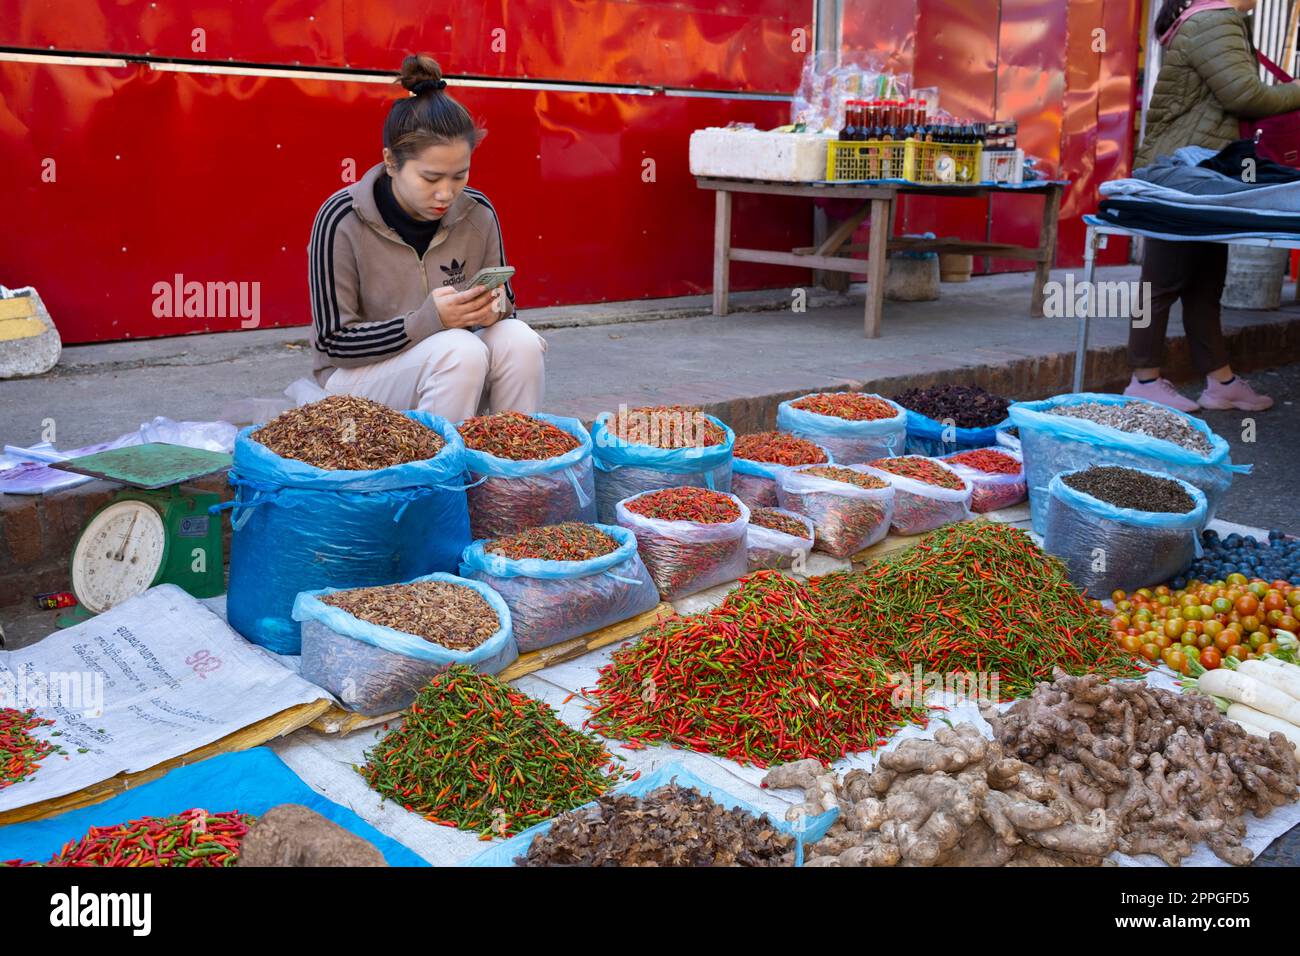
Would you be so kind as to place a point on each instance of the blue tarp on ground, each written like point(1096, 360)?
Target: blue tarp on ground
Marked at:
point(251, 781)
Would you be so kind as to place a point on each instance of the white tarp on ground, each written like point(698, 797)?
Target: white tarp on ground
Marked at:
point(170, 675)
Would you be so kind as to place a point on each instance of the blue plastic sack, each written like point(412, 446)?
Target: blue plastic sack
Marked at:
point(754, 482)
point(508, 496)
point(251, 781)
point(377, 670)
point(1052, 444)
point(300, 528)
point(934, 439)
point(1106, 547)
point(813, 829)
point(852, 443)
point(554, 601)
point(624, 469)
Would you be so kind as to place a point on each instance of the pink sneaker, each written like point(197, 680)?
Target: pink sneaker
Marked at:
point(1237, 395)
point(1162, 391)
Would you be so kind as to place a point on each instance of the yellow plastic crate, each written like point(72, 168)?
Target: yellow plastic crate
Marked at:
point(913, 161)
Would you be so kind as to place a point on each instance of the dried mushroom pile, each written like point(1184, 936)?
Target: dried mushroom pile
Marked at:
point(671, 826)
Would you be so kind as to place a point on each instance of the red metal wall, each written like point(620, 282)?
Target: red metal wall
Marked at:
point(217, 178)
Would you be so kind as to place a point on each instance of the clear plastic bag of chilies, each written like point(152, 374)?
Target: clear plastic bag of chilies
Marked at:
point(554, 601)
point(507, 496)
point(846, 517)
point(769, 548)
point(1106, 547)
point(376, 670)
point(920, 506)
point(848, 442)
point(754, 482)
point(684, 557)
point(992, 491)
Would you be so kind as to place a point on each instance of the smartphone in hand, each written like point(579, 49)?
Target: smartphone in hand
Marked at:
point(490, 278)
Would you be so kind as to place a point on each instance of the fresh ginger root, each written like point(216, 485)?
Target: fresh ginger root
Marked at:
point(1166, 769)
point(952, 801)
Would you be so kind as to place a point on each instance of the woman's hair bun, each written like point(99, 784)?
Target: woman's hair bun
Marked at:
point(420, 70)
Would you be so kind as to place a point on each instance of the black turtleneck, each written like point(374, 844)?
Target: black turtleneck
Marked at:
point(416, 233)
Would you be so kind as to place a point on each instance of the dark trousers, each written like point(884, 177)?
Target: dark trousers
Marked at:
point(1193, 272)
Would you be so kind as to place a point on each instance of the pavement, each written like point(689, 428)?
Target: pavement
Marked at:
point(661, 351)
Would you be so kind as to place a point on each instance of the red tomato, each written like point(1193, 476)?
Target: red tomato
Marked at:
point(1131, 643)
point(1239, 651)
point(1247, 604)
point(1151, 651)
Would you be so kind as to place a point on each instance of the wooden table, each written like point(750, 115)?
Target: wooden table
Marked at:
point(878, 201)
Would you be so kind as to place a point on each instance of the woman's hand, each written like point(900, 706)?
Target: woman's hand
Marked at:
point(463, 310)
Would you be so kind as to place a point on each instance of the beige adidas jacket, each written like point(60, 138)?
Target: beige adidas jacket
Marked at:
point(370, 292)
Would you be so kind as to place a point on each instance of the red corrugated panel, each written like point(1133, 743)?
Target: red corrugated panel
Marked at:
point(218, 177)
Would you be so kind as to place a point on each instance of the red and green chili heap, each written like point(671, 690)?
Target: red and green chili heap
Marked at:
point(986, 460)
point(700, 505)
point(516, 437)
point(971, 599)
point(762, 679)
point(570, 541)
point(777, 521)
point(920, 469)
point(474, 754)
point(850, 406)
point(666, 426)
point(20, 752)
point(194, 838)
point(847, 476)
point(778, 448)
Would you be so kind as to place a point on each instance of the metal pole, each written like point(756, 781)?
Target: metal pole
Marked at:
point(826, 39)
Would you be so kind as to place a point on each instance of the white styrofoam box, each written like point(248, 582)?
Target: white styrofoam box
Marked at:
point(759, 154)
point(1002, 166)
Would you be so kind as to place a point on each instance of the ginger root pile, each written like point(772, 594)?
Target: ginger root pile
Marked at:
point(956, 800)
point(1166, 769)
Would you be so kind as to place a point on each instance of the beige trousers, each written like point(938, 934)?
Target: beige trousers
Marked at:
point(456, 373)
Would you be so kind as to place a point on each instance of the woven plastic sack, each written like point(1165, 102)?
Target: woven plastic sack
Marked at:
point(846, 518)
point(1055, 443)
point(807, 832)
point(506, 496)
point(554, 601)
point(685, 556)
point(1105, 547)
point(298, 528)
point(920, 507)
point(624, 470)
point(931, 438)
point(377, 670)
point(852, 443)
point(754, 482)
point(769, 548)
point(991, 491)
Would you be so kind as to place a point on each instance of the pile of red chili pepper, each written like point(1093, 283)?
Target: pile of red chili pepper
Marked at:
point(666, 426)
point(850, 406)
point(920, 469)
point(986, 460)
point(20, 752)
point(848, 476)
point(516, 437)
point(778, 448)
point(194, 838)
point(475, 754)
point(762, 679)
point(778, 521)
point(971, 599)
point(700, 505)
point(570, 541)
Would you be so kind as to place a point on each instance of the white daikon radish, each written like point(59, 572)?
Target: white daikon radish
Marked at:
point(1261, 724)
point(1245, 689)
point(1280, 677)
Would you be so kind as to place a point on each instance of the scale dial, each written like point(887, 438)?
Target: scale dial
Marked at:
point(118, 555)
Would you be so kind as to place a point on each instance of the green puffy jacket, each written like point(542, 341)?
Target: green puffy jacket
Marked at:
point(1208, 81)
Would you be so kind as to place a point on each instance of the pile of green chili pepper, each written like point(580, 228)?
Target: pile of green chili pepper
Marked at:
point(194, 838)
point(474, 754)
point(762, 679)
point(20, 752)
point(976, 598)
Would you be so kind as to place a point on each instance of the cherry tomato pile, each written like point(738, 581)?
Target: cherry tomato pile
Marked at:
point(1205, 621)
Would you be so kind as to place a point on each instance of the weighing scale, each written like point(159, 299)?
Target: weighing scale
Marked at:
point(152, 533)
